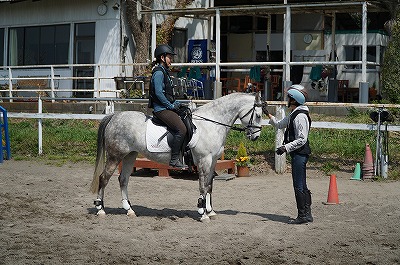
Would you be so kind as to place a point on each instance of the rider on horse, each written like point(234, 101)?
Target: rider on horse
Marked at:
point(163, 102)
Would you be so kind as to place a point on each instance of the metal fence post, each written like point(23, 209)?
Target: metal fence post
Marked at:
point(6, 139)
point(40, 132)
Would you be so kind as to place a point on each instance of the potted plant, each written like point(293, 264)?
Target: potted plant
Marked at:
point(242, 161)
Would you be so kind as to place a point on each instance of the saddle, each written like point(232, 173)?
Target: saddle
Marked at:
point(185, 114)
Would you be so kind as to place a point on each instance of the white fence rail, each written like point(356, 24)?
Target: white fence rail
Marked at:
point(315, 124)
point(280, 161)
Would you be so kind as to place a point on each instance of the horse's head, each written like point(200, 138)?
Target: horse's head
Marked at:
point(250, 117)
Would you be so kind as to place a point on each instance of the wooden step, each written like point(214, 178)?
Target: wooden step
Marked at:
point(163, 169)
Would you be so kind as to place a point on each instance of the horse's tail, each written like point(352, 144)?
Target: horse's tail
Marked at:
point(101, 154)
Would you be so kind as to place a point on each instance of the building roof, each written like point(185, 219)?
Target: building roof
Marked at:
point(273, 7)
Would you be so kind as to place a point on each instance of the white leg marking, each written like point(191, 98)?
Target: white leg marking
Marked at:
point(204, 218)
point(126, 205)
point(200, 211)
point(131, 213)
point(212, 214)
point(101, 213)
point(208, 202)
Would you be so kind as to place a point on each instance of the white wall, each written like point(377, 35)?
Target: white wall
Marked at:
point(354, 76)
point(48, 12)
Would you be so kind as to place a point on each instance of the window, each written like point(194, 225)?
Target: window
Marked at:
point(84, 48)
point(84, 43)
point(241, 24)
point(178, 42)
point(41, 45)
point(354, 53)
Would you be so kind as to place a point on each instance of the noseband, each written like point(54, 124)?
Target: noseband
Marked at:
point(250, 125)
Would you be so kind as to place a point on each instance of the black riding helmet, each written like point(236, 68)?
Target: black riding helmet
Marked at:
point(163, 49)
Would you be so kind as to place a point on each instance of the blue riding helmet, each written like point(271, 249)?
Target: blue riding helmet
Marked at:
point(296, 93)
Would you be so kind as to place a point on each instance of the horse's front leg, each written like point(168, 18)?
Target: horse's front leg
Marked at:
point(206, 177)
point(127, 166)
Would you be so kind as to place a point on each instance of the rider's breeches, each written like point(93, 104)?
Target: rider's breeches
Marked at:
point(173, 121)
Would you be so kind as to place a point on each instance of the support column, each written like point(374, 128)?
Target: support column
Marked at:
point(153, 34)
point(364, 86)
point(218, 85)
point(287, 41)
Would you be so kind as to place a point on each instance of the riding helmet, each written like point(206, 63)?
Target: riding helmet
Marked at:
point(163, 49)
point(298, 93)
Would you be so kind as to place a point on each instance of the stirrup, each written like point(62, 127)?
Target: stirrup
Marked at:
point(178, 164)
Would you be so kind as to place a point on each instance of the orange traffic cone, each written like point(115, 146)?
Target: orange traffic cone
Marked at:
point(333, 197)
point(368, 165)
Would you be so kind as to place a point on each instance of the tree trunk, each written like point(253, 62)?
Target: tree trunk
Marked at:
point(140, 27)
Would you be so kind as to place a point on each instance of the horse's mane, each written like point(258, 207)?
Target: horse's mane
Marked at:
point(220, 101)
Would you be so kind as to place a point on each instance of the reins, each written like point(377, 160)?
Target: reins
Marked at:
point(250, 125)
point(220, 123)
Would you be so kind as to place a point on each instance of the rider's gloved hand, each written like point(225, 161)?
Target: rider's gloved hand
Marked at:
point(281, 150)
point(265, 110)
point(177, 105)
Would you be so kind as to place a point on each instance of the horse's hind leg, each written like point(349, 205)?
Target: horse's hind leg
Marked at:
point(109, 169)
point(127, 166)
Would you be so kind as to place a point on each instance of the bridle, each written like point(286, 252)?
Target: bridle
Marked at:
point(248, 129)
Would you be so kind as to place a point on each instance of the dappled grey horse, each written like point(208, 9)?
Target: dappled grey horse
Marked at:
point(122, 136)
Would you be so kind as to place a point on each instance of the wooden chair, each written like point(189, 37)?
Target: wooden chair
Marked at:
point(230, 85)
point(275, 86)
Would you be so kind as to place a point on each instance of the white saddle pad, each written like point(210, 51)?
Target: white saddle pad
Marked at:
point(156, 144)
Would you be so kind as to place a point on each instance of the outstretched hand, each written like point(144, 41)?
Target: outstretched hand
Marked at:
point(265, 110)
point(281, 150)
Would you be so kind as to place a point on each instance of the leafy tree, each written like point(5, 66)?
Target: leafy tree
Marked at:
point(140, 26)
point(391, 61)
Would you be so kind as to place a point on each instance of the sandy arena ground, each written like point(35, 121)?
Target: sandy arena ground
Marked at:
point(47, 217)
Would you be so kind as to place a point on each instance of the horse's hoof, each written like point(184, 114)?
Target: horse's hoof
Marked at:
point(131, 213)
point(101, 213)
point(212, 214)
point(204, 219)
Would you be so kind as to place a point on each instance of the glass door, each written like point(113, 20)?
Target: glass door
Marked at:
point(84, 45)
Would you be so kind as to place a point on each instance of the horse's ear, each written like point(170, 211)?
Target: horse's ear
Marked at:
point(258, 98)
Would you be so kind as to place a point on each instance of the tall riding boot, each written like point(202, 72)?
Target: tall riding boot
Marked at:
point(308, 206)
point(176, 152)
point(301, 208)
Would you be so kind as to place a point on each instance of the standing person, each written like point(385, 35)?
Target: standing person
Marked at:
point(296, 143)
point(163, 102)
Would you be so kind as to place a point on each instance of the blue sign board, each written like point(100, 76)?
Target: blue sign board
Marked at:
point(197, 51)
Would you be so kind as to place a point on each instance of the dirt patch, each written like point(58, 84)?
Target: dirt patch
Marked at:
point(47, 217)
